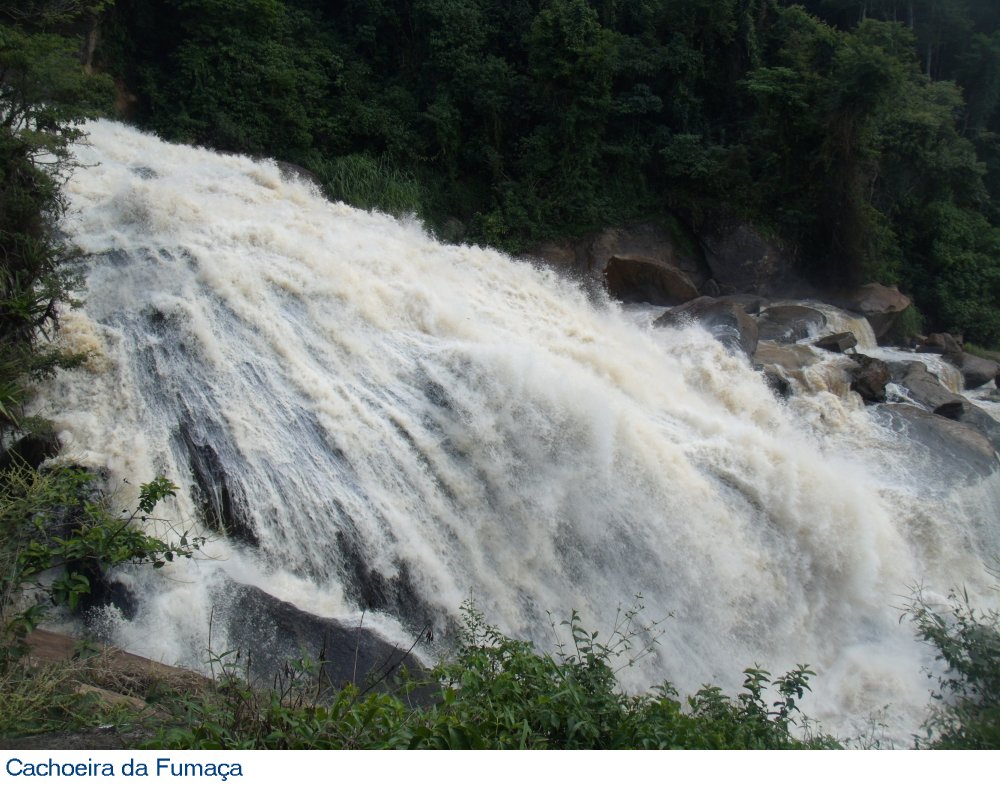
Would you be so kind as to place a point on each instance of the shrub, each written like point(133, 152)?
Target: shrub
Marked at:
point(58, 532)
point(967, 710)
point(500, 693)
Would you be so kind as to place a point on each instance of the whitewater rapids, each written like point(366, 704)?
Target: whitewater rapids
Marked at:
point(402, 425)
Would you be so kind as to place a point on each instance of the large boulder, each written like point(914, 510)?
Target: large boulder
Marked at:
point(944, 344)
point(743, 260)
point(728, 322)
point(921, 385)
point(789, 323)
point(869, 378)
point(649, 280)
point(940, 343)
point(945, 452)
point(977, 371)
point(784, 363)
point(966, 412)
point(665, 243)
point(881, 305)
point(271, 633)
point(925, 388)
point(837, 342)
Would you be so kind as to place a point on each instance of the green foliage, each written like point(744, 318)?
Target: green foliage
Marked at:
point(58, 533)
point(371, 184)
point(44, 700)
point(44, 95)
point(967, 714)
point(831, 126)
point(500, 693)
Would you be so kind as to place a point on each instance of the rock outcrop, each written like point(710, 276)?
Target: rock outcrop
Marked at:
point(881, 306)
point(646, 252)
point(869, 378)
point(742, 260)
point(647, 279)
point(838, 342)
point(272, 633)
point(977, 371)
point(940, 445)
point(728, 322)
point(922, 386)
point(789, 323)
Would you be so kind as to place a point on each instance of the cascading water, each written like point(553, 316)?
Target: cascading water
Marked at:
point(386, 422)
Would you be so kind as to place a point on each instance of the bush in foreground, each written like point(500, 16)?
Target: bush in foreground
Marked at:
point(500, 693)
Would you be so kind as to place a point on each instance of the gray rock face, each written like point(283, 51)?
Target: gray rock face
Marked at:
point(977, 371)
point(742, 260)
point(968, 413)
point(870, 378)
point(645, 279)
point(948, 452)
point(881, 305)
point(591, 255)
point(271, 633)
point(922, 385)
point(925, 389)
point(838, 342)
point(789, 323)
point(728, 323)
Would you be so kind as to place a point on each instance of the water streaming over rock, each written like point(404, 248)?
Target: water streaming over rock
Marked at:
point(391, 424)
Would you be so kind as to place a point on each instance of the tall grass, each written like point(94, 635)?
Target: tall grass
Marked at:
point(370, 184)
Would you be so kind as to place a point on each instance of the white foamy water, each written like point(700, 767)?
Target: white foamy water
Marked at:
point(466, 426)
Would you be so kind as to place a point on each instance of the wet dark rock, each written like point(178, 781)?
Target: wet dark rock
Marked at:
point(743, 260)
point(777, 383)
point(977, 371)
point(710, 288)
point(789, 323)
point(106, 591)
point(292, 172)
point(952, 410)
point(31, 450)
point(881, 306)
point(370, 589)
point(923, 386)
point(949, 453)
point(270, 633)
point(869, 378)
point(640, 279)
point(966, 412)
point(838, 342)
point(728, 323)
point(212, 490)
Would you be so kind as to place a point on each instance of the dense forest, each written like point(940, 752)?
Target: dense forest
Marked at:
point(861, 132)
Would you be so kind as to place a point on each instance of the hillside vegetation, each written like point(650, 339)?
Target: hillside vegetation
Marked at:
point(862, 132)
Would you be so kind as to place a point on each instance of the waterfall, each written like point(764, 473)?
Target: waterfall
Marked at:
point(388, 424)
